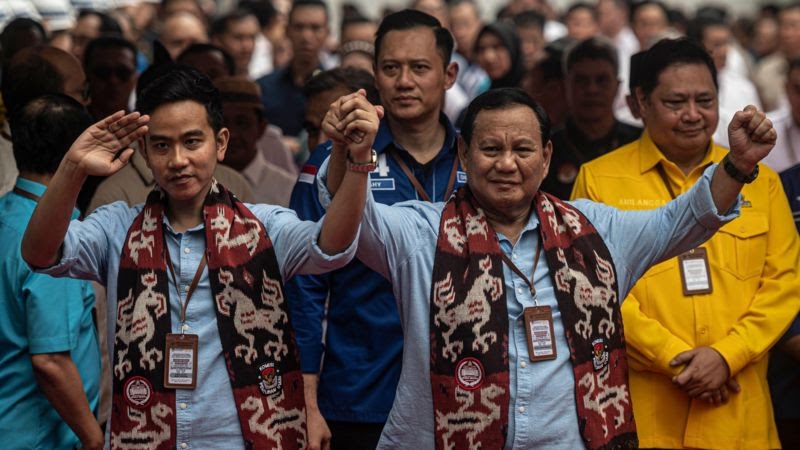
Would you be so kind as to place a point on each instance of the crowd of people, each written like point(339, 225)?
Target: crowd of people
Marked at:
point(232, 224)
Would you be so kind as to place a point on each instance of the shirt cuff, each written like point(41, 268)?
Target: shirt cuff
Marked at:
point(325, 196)
point(734, 352)
point(668, 352)
point(703, 206)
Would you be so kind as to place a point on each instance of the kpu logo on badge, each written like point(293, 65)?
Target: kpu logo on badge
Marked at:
point(599, 353)
point(469, 374)
point(138, 392)
point(271, 381)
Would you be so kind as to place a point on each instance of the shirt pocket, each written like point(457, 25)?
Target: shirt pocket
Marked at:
point(741, 246)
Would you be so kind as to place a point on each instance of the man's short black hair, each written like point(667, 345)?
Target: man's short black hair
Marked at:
point(411, 18)
point(635, 71)
point(219, 26)
point(636, 6)
point(8, 46)
point(582, 5)
point(307, 3)
point(349, 78)
point(171, 83)
point(596, 48)
point(43, 129)
point(503, 98)
point(199, 48)
point(353, 18)
point(529, 19)
point(264, 11)
point(106, 42)
point(108, 25)
point(698, 26)
point(27, 78)
point(669, 52)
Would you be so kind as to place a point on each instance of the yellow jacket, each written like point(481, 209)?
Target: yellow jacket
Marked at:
point(756, 293)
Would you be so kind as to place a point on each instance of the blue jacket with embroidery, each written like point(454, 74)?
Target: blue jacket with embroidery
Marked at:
point(359, 360)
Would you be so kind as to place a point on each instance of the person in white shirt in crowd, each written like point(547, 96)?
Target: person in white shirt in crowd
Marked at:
point(787, 123)
point(236, 33)
point(582, 21)
point(770, 73)
point(735, 91)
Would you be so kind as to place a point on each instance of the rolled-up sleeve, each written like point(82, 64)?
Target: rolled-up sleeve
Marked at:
point(296, 242)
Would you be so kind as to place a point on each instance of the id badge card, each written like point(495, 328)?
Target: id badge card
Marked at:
point(180, 370)
point(695, 273)
point(539, 329)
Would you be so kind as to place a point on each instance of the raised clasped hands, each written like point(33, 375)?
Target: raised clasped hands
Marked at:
point(104, 148)
point(751, 136)
point(352, 123)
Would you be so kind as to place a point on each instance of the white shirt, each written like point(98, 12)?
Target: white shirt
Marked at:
point(786, 152)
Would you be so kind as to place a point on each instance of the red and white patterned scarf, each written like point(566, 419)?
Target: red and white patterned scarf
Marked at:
point(469, 327)
point(254, 329)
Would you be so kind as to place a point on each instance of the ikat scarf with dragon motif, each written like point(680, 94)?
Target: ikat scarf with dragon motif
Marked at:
point(469, 327)
point(255, 334)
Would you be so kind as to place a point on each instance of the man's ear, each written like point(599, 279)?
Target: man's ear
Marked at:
point(547, 153)
point(641, 99)
point(142, 144)
point(222, 143)
point(450, 75)
point(262, 126)
point(462, 152)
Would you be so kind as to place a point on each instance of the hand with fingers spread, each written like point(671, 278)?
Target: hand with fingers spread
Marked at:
point(104, 148)
point(705, 370)
point(751, 136)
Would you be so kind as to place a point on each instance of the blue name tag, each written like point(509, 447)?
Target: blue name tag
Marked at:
point(461, 177)
point(381, 184)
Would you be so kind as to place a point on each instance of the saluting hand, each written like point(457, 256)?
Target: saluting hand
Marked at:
point(104, 148)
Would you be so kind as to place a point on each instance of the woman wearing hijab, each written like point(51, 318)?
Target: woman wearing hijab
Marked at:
point(497, 51)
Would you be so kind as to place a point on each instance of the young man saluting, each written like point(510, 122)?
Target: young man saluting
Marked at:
point(192, 240)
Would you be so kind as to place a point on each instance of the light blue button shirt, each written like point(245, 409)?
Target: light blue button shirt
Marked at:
point(206, 417)
point(400, 243)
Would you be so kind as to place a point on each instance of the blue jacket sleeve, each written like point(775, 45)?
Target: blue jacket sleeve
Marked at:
point(306, 294)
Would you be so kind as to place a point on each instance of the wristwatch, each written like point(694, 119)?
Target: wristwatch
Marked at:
point(363, 167)
point(737, 174)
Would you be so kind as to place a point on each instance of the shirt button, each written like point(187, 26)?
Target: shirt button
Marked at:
point(522, 409)
point(514, 255)
point(523, 364)
point(187, 250)
point(184, 445)
point(184, 406)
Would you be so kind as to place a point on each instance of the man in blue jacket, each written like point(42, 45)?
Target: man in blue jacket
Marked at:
point(354, 383)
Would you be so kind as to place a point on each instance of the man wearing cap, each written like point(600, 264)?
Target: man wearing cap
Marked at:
point(242, 113)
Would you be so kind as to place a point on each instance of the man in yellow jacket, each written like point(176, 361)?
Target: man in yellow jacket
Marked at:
point(698, 327)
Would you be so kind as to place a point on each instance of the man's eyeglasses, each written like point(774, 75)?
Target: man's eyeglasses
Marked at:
point(105, 73)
